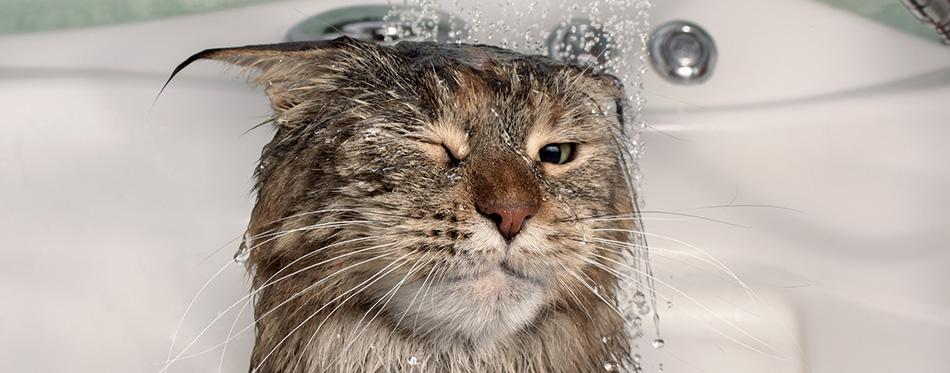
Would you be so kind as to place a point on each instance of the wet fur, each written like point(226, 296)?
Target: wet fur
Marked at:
point(368, 221)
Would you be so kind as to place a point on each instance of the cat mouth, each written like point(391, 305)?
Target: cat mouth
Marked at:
point(500, 281)
point(506, 269)
point(502, 268)
point(494, 300)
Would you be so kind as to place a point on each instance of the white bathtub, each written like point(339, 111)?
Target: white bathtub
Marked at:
point(112, 218)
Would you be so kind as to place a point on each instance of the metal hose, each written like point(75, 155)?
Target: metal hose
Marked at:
point(933, 13)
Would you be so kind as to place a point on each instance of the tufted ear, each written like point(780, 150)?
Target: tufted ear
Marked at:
point(612, 99)
point(608, 93)
point(286, 69)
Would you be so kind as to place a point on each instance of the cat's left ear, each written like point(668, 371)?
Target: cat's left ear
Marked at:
point(286, 69)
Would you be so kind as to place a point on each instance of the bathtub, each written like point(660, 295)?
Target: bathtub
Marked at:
point(811, 167)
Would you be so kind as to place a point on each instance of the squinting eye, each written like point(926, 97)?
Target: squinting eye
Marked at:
point(556, 153)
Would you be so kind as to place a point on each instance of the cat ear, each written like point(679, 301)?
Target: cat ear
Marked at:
point(609, 94)
point(281, 67)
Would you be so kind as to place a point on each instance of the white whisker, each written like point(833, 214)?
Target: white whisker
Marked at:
point(384, 299)
point(169, 361)
point(355, 290)
point(258, 290)
point(777, 353)
point(231, 333)
point(594, 291)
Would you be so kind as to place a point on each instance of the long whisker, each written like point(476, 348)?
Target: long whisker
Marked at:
point(267, 284)
point(425, 286)
point(181, 322)
point(570, 291)
point(385, 299)
point(326, 278)
point(271, 280)
point(360, 211)
point(637, 217)
point(658, 249)
point(334, 224)
point(719, 265)
point(777, 207)
point(753, 297)
point(380, 276)
point(594, 291)
point(355, 290)
point(231, 333)
point(777, 354)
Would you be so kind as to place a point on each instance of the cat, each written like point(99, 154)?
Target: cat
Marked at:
point(433, 207)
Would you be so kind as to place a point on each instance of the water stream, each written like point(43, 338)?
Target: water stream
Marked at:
point(608, 35)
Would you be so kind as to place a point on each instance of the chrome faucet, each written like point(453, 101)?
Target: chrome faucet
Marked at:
point(933, 13)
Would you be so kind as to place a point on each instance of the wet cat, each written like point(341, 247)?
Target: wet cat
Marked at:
point(436, 208)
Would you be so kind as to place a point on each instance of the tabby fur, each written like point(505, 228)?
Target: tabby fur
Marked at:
point(369, 245)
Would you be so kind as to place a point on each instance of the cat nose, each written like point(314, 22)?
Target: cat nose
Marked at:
point(509, 218)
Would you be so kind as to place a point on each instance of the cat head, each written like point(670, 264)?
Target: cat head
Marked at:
point(460, 194)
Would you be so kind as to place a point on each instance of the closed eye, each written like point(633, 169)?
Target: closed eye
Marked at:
point(440, 153)
point(450, 157)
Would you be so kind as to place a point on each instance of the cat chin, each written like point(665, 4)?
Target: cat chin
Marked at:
point(475, 310)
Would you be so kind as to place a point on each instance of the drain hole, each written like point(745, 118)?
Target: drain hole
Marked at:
point(682, 53)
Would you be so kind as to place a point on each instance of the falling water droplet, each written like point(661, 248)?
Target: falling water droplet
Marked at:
point(413, 360)
point(244, 251)
point(661, 368)
point(610, 366)
point(658, 343)
point(636, 358)
point(605, 339)
point(669, 304)
point(637, 321)
point(371, 133)
point(639, 298)
point(451, 178)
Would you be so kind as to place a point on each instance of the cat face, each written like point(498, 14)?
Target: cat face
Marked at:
point(453, 194)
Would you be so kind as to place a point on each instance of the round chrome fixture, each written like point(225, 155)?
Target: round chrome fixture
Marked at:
point(581, 43)
point(379, 23)
point(682, 52)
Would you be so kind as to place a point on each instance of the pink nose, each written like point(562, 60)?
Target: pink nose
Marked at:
point(509, 218)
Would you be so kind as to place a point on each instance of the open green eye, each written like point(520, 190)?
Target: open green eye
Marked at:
point(556, 153)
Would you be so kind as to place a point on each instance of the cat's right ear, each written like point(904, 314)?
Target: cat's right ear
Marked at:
point(286, 69)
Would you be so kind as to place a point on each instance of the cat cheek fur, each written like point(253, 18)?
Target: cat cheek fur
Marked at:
point(373, 237)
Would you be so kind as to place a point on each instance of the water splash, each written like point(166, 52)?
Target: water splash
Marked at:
point(616, 33)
